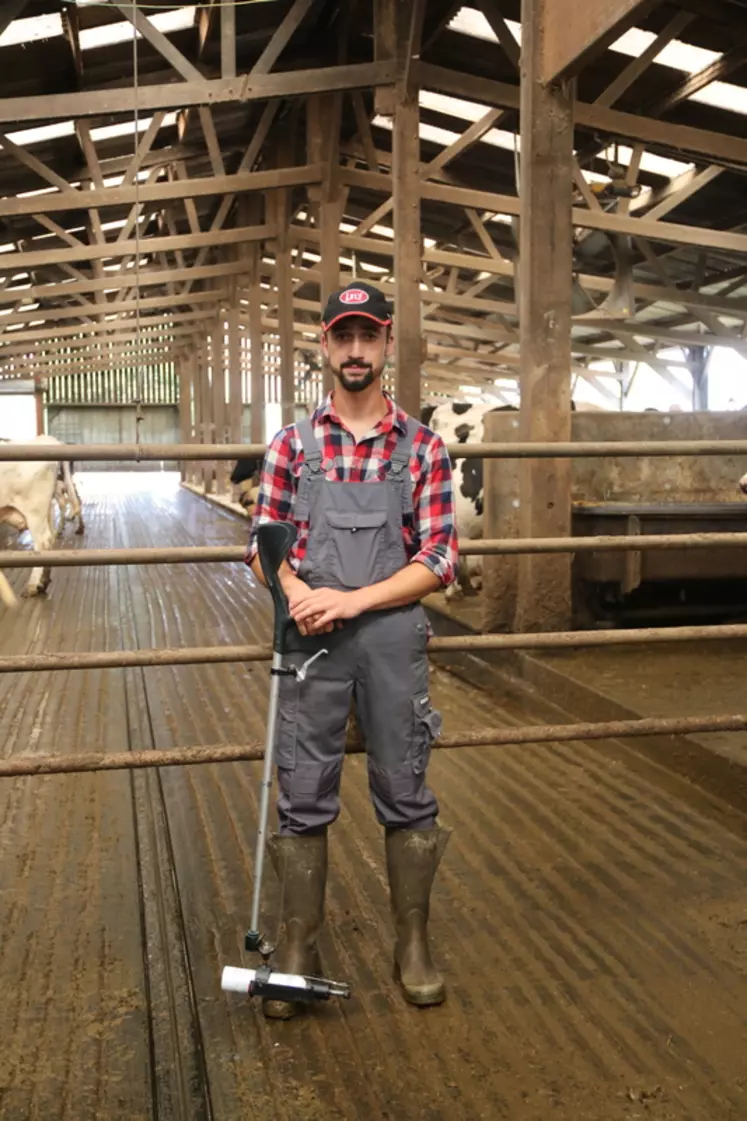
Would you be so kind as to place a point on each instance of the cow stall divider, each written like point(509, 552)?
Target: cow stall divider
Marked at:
point(41, 764)
point(263, 980)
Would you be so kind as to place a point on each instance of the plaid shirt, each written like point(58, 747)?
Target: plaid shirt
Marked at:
point(431, 538)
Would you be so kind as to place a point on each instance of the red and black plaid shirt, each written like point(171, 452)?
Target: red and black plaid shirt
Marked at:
point(429, 537)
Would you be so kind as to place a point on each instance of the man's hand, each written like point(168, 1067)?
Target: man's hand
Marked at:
point(297, 592)
point(326, 606)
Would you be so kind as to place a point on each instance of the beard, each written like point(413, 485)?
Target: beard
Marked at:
point(359, 382)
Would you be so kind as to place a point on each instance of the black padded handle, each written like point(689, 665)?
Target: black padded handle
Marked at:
point(274, 542)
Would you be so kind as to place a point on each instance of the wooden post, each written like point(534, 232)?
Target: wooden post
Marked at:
point(235, 380)
point(206, 412)
point(323, 146)
point(699, 360)
point(219, 398)
point(278, 203)
point(185, 428)
point(544, 283)
point(39, 404)
point(407, 252)
point(257, 369)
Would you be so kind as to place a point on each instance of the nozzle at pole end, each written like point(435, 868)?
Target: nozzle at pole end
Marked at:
point(234, 980)
point(252, 941)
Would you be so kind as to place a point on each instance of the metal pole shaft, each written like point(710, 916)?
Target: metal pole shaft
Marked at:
point(264, 800)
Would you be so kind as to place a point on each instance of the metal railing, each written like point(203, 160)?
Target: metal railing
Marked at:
point(199, 655)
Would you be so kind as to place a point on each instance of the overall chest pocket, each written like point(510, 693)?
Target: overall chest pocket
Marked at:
point(358, 545)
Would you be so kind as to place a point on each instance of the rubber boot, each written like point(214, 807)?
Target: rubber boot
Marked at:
point(301, 866)
point(412, 859)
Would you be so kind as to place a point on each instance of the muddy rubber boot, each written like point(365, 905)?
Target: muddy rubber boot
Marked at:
point(412, 858)
point(301, 866)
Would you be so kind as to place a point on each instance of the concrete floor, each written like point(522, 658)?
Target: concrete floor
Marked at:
point(589, 917)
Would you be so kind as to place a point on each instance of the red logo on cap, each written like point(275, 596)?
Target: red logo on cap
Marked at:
point(354, 296)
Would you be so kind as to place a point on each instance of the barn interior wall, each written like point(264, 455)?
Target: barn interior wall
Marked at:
point(639, 479)
point(101, 424)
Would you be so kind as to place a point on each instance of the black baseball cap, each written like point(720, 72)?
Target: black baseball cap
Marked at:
point(357, 298)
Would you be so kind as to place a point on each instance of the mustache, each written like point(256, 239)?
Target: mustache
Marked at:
point(353, 365)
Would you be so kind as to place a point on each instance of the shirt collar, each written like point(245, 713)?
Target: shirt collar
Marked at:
point(395, 417)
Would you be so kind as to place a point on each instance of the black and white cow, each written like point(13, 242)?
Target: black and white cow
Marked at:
point(743, 484)
point(462, 422)
point(245, 478)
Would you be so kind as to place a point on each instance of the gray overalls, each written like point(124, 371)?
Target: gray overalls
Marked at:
point(379, 659)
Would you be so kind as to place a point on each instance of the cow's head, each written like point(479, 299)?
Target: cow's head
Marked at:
point(743, 484)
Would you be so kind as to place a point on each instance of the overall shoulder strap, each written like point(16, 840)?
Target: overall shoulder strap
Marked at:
point(399, 473)
point(311, 468)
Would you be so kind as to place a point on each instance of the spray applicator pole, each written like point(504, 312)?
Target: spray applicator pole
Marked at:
point(274, 541)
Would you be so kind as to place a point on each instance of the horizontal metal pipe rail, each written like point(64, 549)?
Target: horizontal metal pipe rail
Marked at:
point(24, 765)
point(206, 554)
point(210, 655)
point(589, 449)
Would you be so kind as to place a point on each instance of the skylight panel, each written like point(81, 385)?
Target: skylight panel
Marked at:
point(676, 55)
point(37, 135)
point(657, 165)
point(127, 128)
point(31, 30)
point(723, 95)
point(122, 32)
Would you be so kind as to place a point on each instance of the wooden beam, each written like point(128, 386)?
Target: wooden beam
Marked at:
point(228, 39)
point(590, 219)
point(247, 163)
point(501, 30)
point(575, 33)
point(52, 315)
point(637, 66)
point(696, 141)
point(37, 292)
point(180, 95)
point(118, 328)
point(12, 262)
point(282, 36)
point(544, 281)
point(407, 254)
point(385, 52)
point(716, 72)
point(272, 179)
point(159, 42)
point(695, 183)
point(364, 131)
point(211, 140)
point(33, 164)
point(469, 137)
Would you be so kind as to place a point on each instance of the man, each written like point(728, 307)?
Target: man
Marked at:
point(369, 490)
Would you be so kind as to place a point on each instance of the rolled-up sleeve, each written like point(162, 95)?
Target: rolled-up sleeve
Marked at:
point(276, 490)
point(434, 514)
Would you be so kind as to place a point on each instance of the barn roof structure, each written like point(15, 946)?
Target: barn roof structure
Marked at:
point(164, 167)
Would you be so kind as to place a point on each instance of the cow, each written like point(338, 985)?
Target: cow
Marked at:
point(460, 422)
point(245, 477)
point(67, 497)
point(743, 484)
point(27, 490)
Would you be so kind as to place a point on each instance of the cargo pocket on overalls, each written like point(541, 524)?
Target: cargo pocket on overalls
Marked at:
point(355, 547)
point(286, 727)
point(427, 724)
